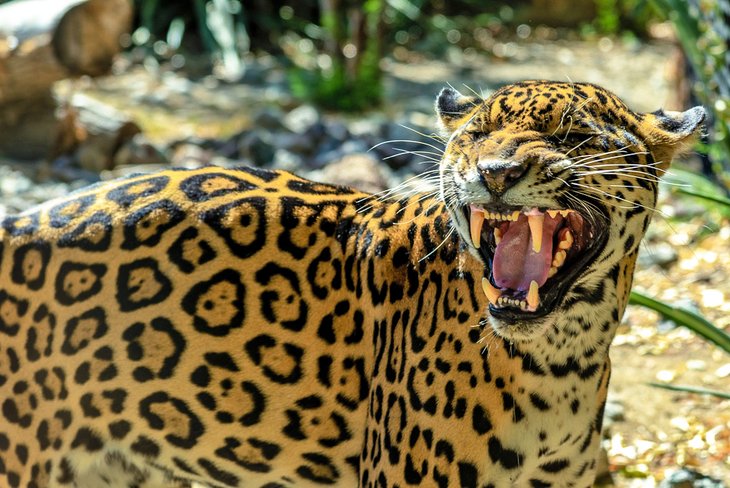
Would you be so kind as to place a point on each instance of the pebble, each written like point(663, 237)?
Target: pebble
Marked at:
point(688, 478)
point(301, 119)
point(662, 254)
point(361, 171)
point(614, 411)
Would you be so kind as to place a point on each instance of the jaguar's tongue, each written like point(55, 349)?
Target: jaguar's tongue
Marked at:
point(525, 252)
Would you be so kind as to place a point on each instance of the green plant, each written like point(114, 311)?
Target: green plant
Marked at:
point(702, 31)
point(691, 389)
point(686, 318)
point(344, 73)
point(219, 24)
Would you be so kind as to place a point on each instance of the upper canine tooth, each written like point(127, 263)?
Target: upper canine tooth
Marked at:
point(533, 297)
point(535, 222)
point(490, 291)
point(476, 220)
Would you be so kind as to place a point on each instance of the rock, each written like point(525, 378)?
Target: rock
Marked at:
point(258, 146)
point(403, 144)
point(302, 119)
point(660, 254)
point(369, 126)
point(269, 118)
point(334, 152)
point(286, 160)
point(688, 478)
point(184, 153)
point(337, 131)
point(613, 412)
point(361, 171)
point(295, 142)
point(138, 150)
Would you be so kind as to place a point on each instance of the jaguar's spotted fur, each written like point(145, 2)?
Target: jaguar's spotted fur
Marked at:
point(247, 328)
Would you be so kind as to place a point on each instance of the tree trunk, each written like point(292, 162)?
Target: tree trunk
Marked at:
point(41, 42)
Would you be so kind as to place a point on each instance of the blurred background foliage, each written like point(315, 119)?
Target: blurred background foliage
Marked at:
point(333, 48)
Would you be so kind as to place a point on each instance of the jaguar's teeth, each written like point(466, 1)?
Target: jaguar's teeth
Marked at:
point(566, 241)
point(497, 235)
point(533, 297)
point(565, 213)
point(559, 258)
point(552, 213)
point(535, 221)
point(493, 294)
point(515, 215)
point(552, 271)
point(476, 220)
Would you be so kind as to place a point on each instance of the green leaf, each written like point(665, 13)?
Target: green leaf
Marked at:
point(681, 316)
point(706, 196)
point(691, 389)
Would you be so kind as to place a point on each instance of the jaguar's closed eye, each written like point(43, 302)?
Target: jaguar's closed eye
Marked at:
point(572, 138)
point(477, 134)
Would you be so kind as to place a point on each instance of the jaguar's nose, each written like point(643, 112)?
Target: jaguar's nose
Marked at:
point(498, 176)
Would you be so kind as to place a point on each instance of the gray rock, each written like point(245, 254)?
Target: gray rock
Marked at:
point(369, 126)
point(404, 146)
point(295, 142)
point(361, 171)
point(287, 161)
point(614, 411)
point(302, 119)
point(337, 130)
point(688, 478)
point(660, 254)
point(332, 154)
point(269, 118)
point(258, 146)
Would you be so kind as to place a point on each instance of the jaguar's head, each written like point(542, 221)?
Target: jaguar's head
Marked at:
point(551, 185)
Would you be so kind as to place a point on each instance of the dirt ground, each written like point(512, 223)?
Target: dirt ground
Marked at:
point(653, 430)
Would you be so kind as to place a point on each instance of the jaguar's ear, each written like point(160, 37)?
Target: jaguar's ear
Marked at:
point(670, 133)
point(453, 109)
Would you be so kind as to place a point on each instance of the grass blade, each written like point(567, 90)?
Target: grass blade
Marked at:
point(691, 389)
point(706, 196)
point(681, 316)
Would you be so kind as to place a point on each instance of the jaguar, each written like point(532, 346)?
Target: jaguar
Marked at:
point(249, 328)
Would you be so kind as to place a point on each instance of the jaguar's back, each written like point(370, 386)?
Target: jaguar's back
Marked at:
point(251, 328)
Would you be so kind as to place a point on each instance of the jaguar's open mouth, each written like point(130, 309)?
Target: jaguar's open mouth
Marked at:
point(532, 256)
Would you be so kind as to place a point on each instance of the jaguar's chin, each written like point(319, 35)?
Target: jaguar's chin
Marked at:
point(532, 256)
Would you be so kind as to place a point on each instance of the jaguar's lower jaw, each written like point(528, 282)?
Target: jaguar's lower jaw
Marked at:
point(519, 330)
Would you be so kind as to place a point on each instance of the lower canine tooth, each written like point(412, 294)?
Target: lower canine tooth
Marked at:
point(533, 297)
point(493, 295)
